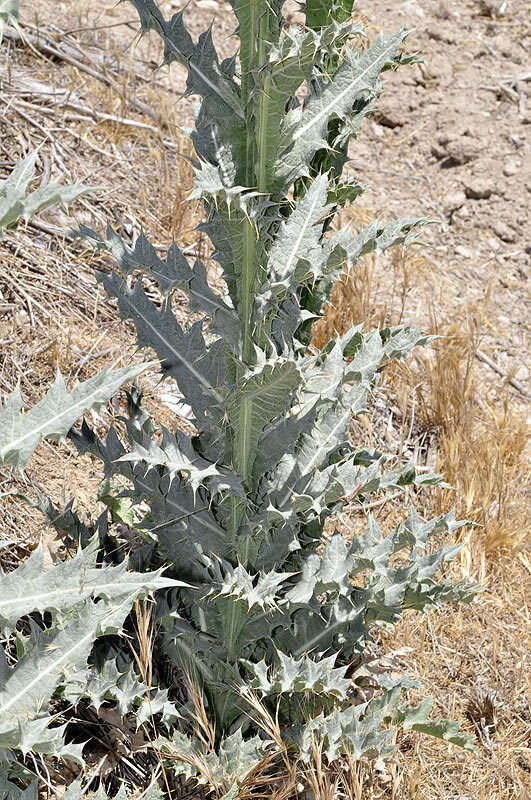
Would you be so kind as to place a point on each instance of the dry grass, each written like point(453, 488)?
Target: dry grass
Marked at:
point(481, 438)
point(443, 408)
point(456, 416)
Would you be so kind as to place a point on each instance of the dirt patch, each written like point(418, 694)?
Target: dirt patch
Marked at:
point(450, 140)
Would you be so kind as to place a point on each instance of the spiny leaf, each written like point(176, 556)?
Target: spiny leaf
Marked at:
point(258, 399)
point(176, 455)
point(300, 675)
point(289, 64)
point(8, 15)
point(345, 732)
point(15, 204)
point(200, 373)
point(256, 590)
point(251, 14)
point(33, 587)
point(10, 791)
point(172, 273)
point(305, 132)
point(55, 414)
point(296, 253)
point(416, 719)
point(180, 521)
point(345, 249)
point(320, 12)
point(204, 74)
point(235, 759)
point(31, 683)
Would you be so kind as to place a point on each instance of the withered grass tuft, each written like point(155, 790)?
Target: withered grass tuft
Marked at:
point(478, 436)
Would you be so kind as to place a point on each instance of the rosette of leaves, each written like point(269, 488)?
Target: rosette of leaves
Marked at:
point(275, 611)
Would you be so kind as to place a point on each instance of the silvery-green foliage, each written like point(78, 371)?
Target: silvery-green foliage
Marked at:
point(10, 790)
point(272, 609)
point(8, 16)
point(16, 203)
point(83, 601)
point(221, 769)
point(54, 415)
point(151, 793)
point(75, 791)
point(239, 507)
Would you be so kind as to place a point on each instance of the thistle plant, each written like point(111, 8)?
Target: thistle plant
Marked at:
point(266, 608)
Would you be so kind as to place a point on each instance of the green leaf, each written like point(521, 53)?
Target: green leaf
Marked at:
point(258, 22)
point(296, 252)
point(329, 572)
point(416, 719)
point(302, 675)
point(305, 131)
point(224, 770)
point(34, 587)
point(259, 398)
point(345, 731)
point(289, 64)
point(200, 372)
point(180, 522)
point(55, 414)
point(26, 692)
point(174, 272)
point(320, 12)
point(345, 249)
point(204, 74)
point(121, 508)
point(15, 204)
point(73, 791)
point(177, 455)
point(10, 791)
point(8, 15)
point(260, 590)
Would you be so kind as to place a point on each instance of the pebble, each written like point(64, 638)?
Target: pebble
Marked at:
point(503, 231)
point(463, 149)
point(440, 34)
point(505, 45)
point(208, 5)
point(478, 188)
point(390, 113)
point(510, 169)
point(21, 317)
point(464, 252)
point(453, 201)
point(522, 375)
point(443, 10)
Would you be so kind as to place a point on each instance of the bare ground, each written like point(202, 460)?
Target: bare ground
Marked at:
point(450, 141)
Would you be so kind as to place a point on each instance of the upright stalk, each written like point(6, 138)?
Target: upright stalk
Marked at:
point(252, 56)
point(263, 105)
